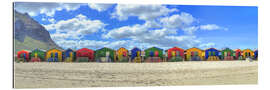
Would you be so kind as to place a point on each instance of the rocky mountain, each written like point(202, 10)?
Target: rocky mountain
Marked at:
point(29, 34)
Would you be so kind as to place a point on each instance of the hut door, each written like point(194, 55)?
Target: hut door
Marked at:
point(151, 53)
point(124, 54)
point(56, 57)
point(196, 53)
point(138, 54)
point(70, 56)
point(192, 54)
point(173, 53)
point(156, 53)
point(177, 53)
point(209, 53)
point(225, 54)
point(107, 54)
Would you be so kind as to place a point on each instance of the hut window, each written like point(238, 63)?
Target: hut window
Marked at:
point(209, 53)
point(214, 53)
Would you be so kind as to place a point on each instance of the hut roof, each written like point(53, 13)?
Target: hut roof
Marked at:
point(193, 48)
point(55, 49)
point(212, 48)
point(154, 47)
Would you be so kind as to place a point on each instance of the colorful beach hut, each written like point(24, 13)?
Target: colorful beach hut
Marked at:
point(175, 54)
point(105, 55)
point(37, 55)
point(85, 55)
point(23, 56)
point(256, 54)
point(211, 54)
point(194, 54)
point(247, 53)
point(69, 55)
point(136, 55)
point(122, 55)
point(153, 54)
point(238, 54)
point(54, 55)
point(227, 54)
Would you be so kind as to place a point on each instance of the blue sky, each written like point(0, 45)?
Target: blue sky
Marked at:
point(131, 25)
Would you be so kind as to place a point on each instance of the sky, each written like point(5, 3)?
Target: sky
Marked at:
point(96, 25)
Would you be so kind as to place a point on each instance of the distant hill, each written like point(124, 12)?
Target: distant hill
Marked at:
point(29, 34)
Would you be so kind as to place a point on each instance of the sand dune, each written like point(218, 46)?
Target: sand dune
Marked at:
point(65, 75)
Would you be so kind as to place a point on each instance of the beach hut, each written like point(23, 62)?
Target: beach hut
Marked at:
point(122, 55)
point(85, 55)
point(69, 55)
point(227, 54)
point(194, 54)
point(256, 54)
point(211, 54)
point(153, 54)
point(175, 54)
point(23, 56)
point(238, 54)
point(54, 55)
point(247, 53)
point(136, 55)
point(37, 55)
point(105, 55)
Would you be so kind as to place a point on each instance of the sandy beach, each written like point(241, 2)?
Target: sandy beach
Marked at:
point(67, 75)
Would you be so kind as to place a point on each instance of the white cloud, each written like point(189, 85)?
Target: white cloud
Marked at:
point(178, 21)
point(43, 19)
point(76, 27)
point(190, 30)
point(93, 44)
point(143, 12)
point(207, 45)
point(159, 37)
point(212, 27)
point(126, 32)
point(99, 7)
point(34, 8)
point(51, 20)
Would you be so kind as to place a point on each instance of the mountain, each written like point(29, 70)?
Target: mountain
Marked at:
point(29, 34)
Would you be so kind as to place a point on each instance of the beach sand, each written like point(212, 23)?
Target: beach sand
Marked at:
point(67, 75)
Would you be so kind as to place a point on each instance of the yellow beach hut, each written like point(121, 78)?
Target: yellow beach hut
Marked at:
point(54, 55)
point(122, 55)
point(194, 54)
point(247, 53)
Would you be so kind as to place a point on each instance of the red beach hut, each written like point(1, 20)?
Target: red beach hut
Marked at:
point(175, 51)
point(85, 55)
point(23, 56)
